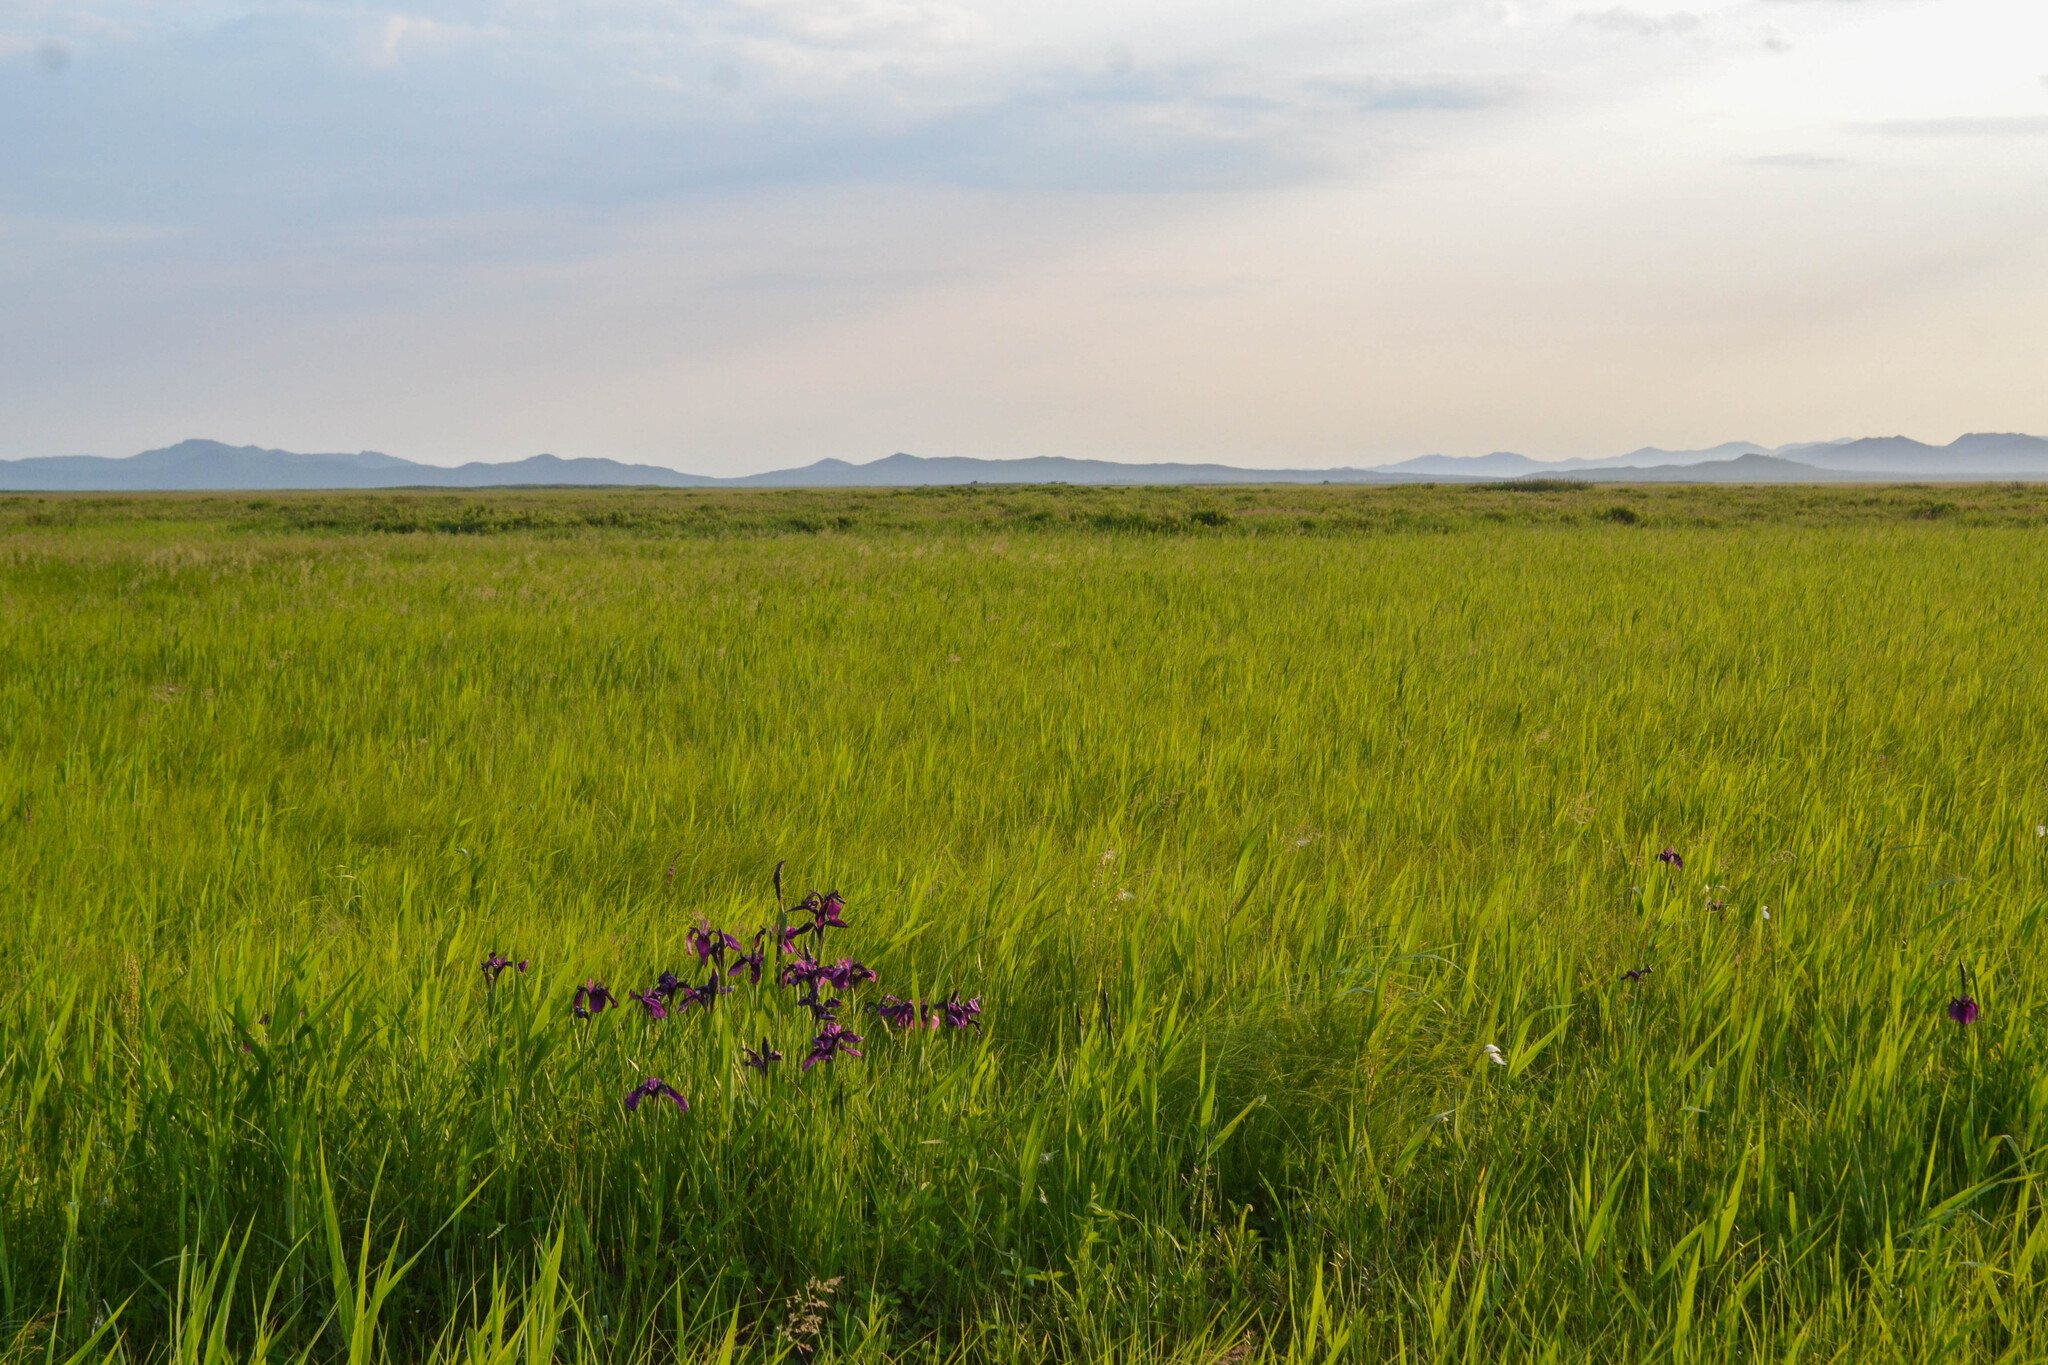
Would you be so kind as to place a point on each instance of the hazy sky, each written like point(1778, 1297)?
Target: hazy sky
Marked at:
point(729, 235)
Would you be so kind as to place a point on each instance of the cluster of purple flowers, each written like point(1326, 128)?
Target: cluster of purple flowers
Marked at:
point(669, 989)
point(798, 942)
point(952, 1012)
point(712, 945)
point(842, 975)
point(834, 1040)
point(805, 970)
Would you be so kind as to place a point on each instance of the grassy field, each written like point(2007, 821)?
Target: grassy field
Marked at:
point(1294, 842)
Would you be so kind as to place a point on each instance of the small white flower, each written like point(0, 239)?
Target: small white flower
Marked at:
point(2041, 831)
point(1493, 1055)
point(1767, 912)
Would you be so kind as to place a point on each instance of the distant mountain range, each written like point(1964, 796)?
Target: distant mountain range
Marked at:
point(1981, 455)
point(212, 466)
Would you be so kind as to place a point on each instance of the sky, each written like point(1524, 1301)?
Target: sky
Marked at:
point(733, 235)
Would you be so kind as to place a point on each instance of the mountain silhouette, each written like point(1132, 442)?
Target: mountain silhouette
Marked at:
point(199, 465)
point(213, 466)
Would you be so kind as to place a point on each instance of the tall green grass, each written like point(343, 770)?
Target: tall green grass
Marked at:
point(1250, 842)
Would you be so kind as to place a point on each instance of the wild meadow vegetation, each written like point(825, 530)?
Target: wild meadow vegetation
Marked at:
point(1400, 924)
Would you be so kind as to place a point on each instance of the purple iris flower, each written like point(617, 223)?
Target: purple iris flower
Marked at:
point(1637, 973)
point(899, 1013)
point(846, 973)
point(785, 939)
point(668, 984)
point(760, 1060)
point(654, 1087)
point(1963, 1010)
point(656, 1004)
point(711, 945)
point(799, 971)
point(826, 914)
point(496, 962)
point(1670, 857)
point(706, 994)
point(958, 1013)
point(833, 1041)
point(593, 998)
point(750, 963)
point(820, 1009)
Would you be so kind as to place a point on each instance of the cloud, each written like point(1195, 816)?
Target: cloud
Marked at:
point(50, 55)
point(1389, 93)
point(1621, 19)
point(1793, 161)
point(316, 115)
point(1155, 128)
point(2016, 125)
point(403, 36)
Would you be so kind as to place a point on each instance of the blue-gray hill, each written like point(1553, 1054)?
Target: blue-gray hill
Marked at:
point(198, 465)
point(211, 466)
point(912, 471)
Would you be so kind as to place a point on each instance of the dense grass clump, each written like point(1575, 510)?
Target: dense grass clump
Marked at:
point(1301, 846)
